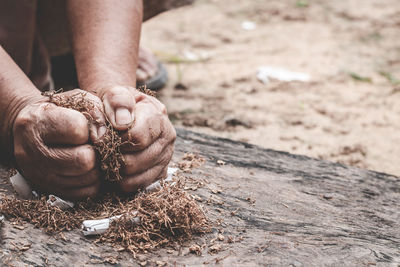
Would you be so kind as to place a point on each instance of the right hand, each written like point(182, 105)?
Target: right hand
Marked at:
point(52, 151)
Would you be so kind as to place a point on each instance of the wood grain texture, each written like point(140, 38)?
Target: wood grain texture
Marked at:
point(307, 212)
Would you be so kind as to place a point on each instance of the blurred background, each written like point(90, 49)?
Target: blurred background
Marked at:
point(313, 77)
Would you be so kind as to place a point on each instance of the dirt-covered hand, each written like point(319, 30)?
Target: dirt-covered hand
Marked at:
point(143, 122)
point(51, 147)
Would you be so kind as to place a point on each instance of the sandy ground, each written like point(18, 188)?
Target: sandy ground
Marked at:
point(213, 61)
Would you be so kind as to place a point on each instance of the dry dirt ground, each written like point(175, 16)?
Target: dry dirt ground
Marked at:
point(348, 112)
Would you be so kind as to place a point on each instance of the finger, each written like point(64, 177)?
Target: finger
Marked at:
point(119, 105)
point(63, 126)
point(83, 180)
point(92, 108)
point(134, 183)
point(70, 161)
point(140, 161)
point(147, 129)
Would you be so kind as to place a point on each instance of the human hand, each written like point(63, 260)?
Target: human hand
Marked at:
point(142, 121)
point(51, 147)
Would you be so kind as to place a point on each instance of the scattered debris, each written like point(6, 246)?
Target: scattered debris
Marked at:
point(393, 80)
point(98, 227)
point(214, 249)
point(221, 237)
point(180, 86)
point(233, 121)
point(143, 89)
point(264, 73)
point(221, 162)
point(55, 201)
point(161, 217)
point(248, 25)
point(251, 200)
point(196, 249)
point(327, 196)
point(190, 161)
point(360, 78)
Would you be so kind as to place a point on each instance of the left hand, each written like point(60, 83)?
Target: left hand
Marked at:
point(142, 120)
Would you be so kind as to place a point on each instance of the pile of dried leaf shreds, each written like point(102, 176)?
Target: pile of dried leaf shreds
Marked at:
point(108, 147)
point(166, 216)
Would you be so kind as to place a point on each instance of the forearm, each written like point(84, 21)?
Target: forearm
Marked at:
point(105, 37)
point(16, 90)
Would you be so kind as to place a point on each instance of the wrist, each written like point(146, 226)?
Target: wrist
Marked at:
point(98, 77)
point(11, 112)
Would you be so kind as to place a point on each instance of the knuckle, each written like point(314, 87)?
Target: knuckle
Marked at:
point(78, 126)
point(141, 141)
point(19, 152)
point(23, 120)
point(163, 109)
point(86, 159)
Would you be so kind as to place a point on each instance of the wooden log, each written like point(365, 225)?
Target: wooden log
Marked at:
point(277, 209)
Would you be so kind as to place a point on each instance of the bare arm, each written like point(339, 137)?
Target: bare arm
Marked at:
point(16, 91)
point(105, 38)
point(105, 43)
point(36, 136)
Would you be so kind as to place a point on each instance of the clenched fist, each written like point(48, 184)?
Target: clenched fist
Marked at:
point(142, 121)
point(52, 150)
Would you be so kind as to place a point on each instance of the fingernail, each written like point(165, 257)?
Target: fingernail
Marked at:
point(101, 131)
point(123, 117)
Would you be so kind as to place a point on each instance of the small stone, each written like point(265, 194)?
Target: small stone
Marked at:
point(215, 248)
point(161, 263)
point(195, 249)
point(221, 162)
point(221, 237)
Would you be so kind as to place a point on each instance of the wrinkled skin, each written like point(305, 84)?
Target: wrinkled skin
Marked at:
point(52, 144)
point(51, 148)
point(142, 120)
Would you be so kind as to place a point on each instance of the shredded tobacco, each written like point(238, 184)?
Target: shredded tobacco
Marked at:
point(109, 147)
point(166, 216)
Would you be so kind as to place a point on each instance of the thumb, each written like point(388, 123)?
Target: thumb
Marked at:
point(119, 104)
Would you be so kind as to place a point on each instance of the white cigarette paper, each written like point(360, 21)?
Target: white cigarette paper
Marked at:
point(98, 227)
point(55, 201)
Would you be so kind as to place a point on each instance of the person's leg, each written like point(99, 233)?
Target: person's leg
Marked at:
point(149, 66)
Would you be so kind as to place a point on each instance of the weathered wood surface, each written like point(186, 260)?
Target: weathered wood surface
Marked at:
point(307, 212)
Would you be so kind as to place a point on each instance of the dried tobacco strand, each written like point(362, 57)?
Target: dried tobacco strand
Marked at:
point(108, 147)
point(166, 216)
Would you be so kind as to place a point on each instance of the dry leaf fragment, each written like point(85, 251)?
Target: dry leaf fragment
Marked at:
point(214, 249)
point(195, 249)
point(221, 237)
point(221, 162)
